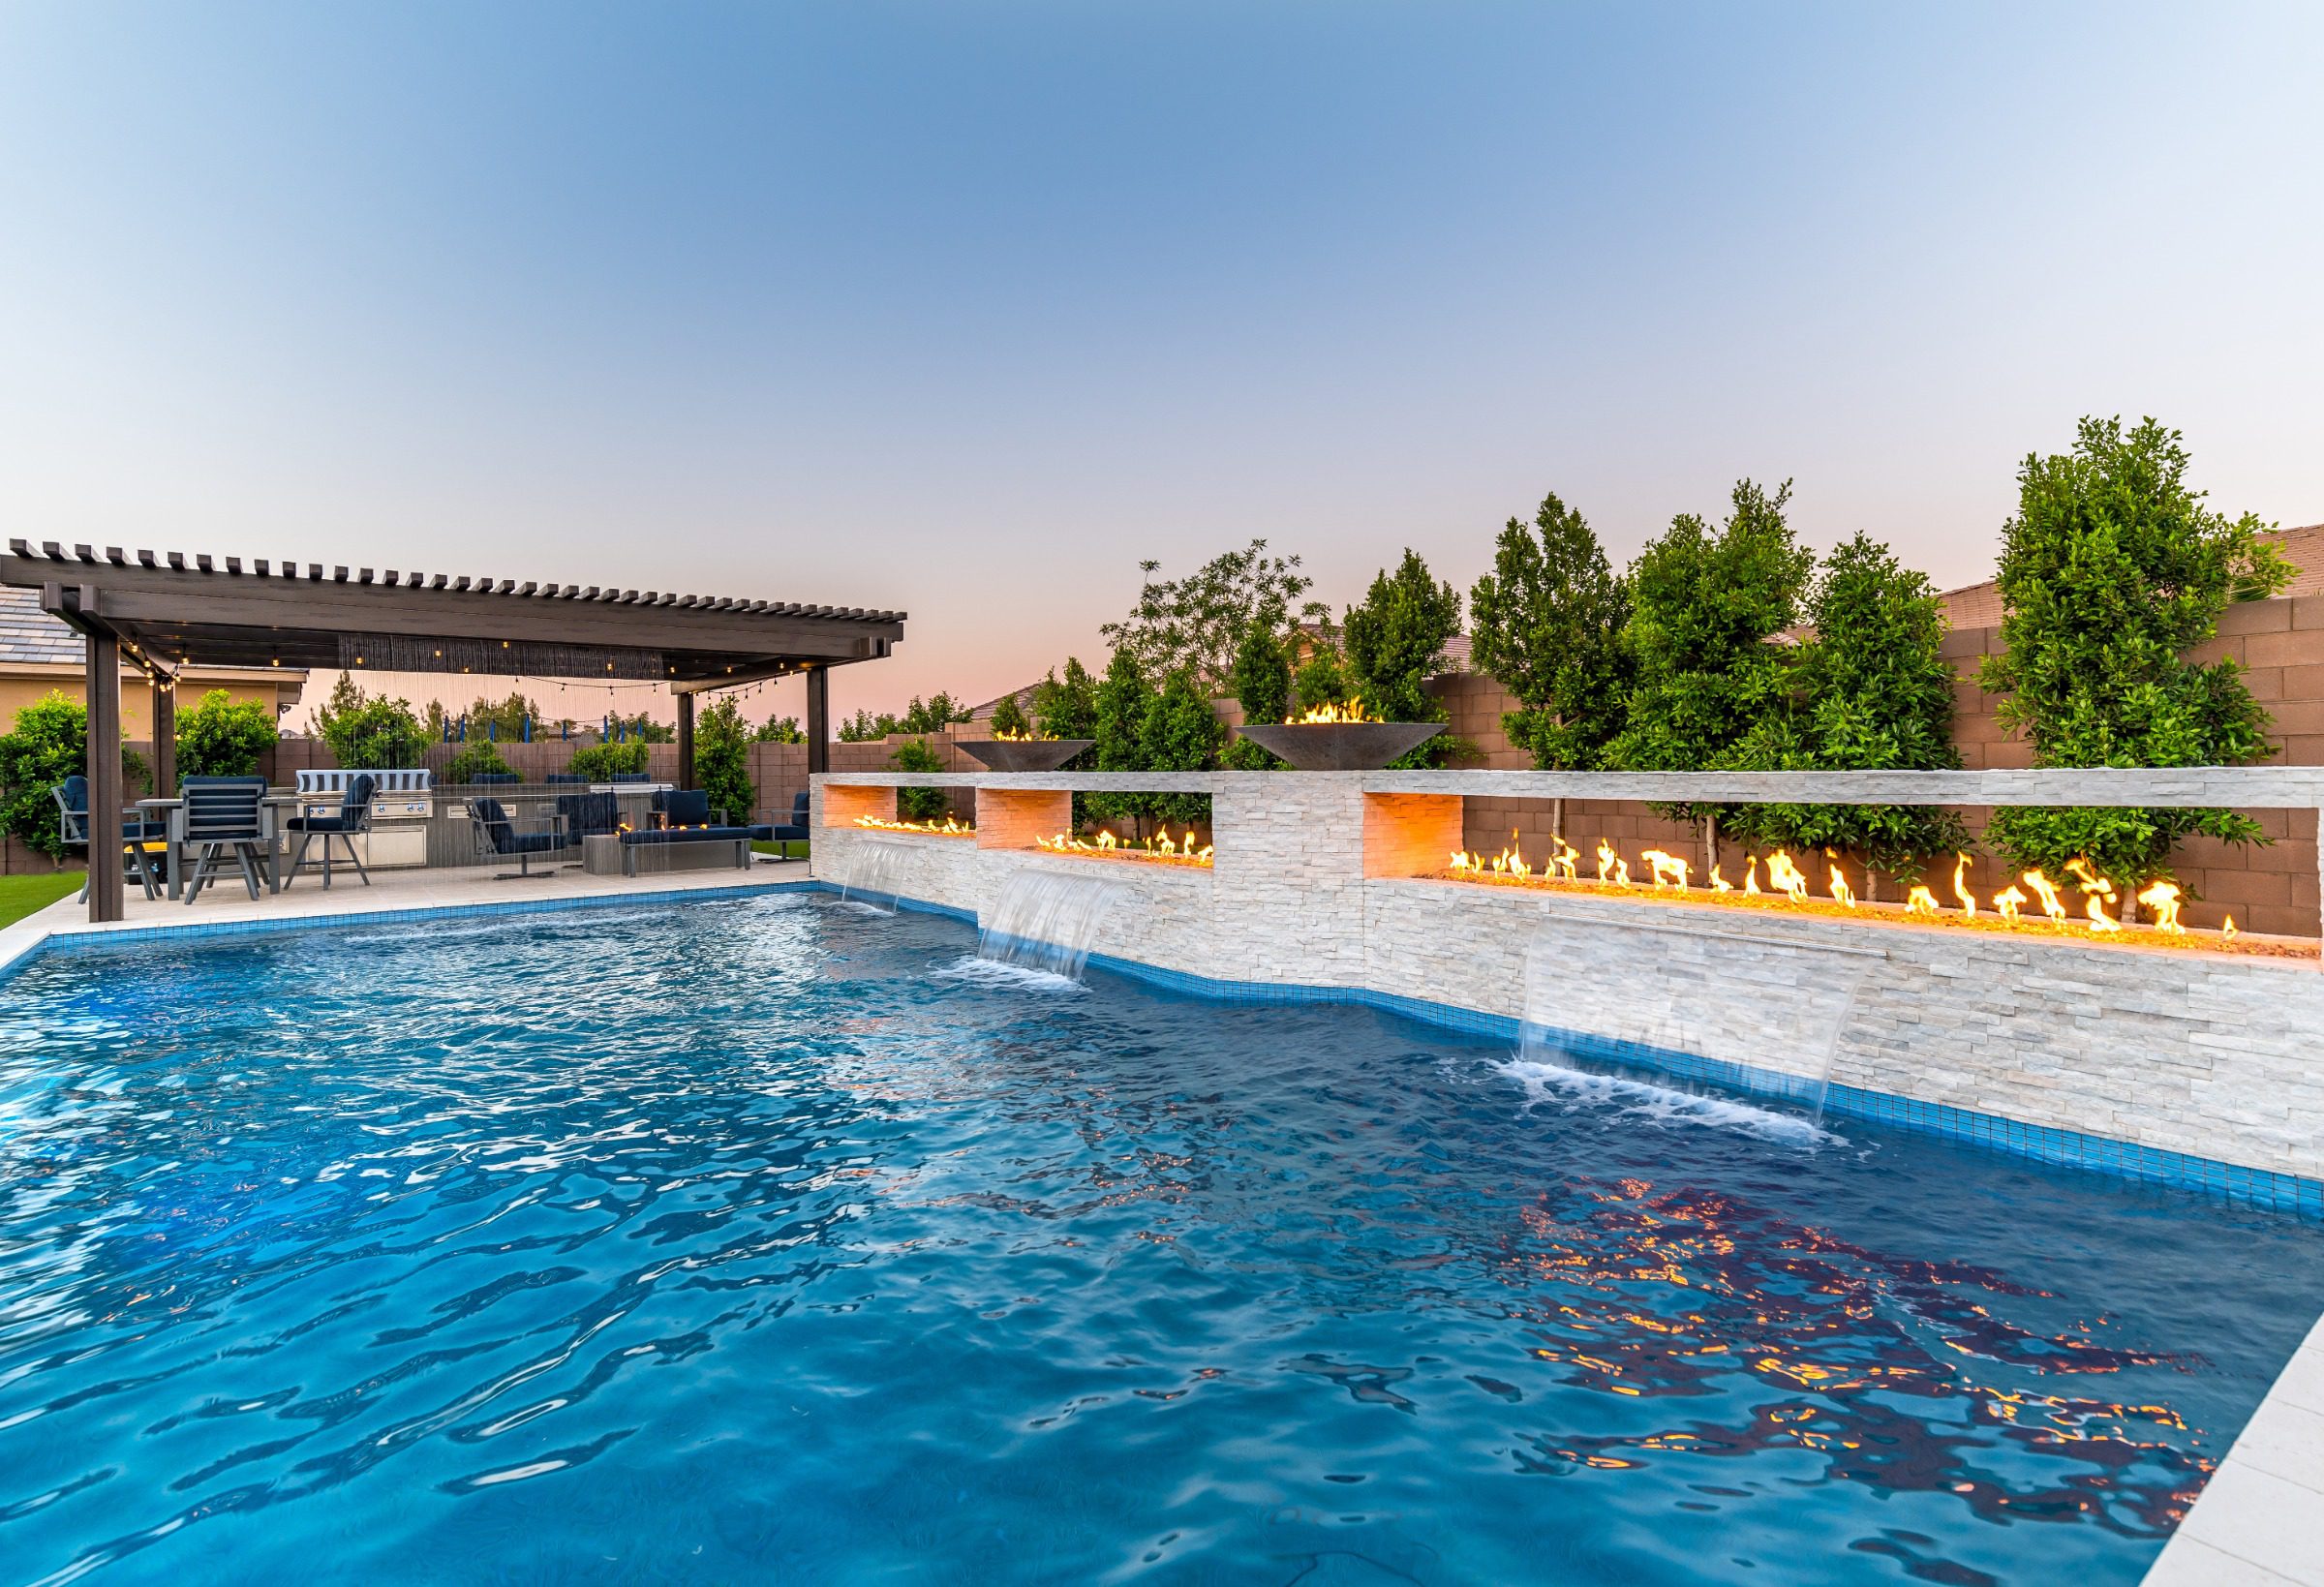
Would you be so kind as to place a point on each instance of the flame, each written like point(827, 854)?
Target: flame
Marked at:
point(951, 827)
point(1333, 711)
point(1567, 861)
point(1968, 900)
point(1160, 848)
point(2009, 902)
point(1920, 901)
point(2227, 931)
point(1105, 839)
point(2097, 892)
point(2162, 899)
point(2048, 894)
point(1787, 877)
point(1719, 883)
point(1669, 870)
point(1030, 737)
point(1840, 889)
point(1751, 875)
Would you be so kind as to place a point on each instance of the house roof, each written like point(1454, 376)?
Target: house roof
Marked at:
point(29, 635)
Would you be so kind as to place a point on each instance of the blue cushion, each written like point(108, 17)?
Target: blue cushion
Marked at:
point(565, 776)
point(589, 813)
point(324, 823)
point(682, 806)
point(76, 794)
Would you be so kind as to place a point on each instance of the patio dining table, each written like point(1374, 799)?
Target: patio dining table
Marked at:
point(271, 808)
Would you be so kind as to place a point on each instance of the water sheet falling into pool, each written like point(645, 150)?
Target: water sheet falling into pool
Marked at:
point(871, 880)
point(1047, 921)
point(1655, 1000)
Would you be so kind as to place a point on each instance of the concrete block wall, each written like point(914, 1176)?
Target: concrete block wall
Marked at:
point(2189, 1052)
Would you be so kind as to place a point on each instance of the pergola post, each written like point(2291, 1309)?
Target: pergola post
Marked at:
point(818, 721)
point(685, 739)
point(164, 716)
point(105, 776)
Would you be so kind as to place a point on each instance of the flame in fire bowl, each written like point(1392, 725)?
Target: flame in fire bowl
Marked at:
point(1024, 754)
point(1341, 747)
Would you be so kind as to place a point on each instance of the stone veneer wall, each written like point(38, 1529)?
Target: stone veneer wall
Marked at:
point(2187, 1051)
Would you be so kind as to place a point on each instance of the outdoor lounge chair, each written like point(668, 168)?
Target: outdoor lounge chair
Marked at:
point(684, 816)
point(791, 832)
point(143, 841)
point(500, 836)
point(589, 814)
point(224, 819)
point(355, 815)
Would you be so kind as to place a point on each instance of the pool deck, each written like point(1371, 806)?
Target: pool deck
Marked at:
point(229, 903)
point(2260, 1520)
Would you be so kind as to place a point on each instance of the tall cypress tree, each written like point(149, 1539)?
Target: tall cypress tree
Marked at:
point(1547, 625)
point(2111, 570)
point(1395, 643)
point(1261, 681)
point(1870, 689)
point(1704, 604)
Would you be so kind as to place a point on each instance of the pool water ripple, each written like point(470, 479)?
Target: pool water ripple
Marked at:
point(765, 1239)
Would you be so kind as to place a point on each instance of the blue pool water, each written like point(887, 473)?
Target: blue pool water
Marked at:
point(771, 1240)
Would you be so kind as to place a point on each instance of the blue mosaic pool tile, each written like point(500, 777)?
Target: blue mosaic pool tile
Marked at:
point(2046, 1144)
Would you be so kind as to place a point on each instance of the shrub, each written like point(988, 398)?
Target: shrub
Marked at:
point(223, 737)
point(1395, 643)
point(478, 757)
point(1321, 680)
point(370, 732)
point(781, 730)
point(603, 762)
point(1008, 719)
point(50, 742)
point(919, 803)
point(722, 762)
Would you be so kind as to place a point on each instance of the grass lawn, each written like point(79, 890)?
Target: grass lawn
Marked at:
point(793, 851)
point(20, 895)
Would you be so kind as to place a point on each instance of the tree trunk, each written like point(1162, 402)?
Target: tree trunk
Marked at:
point(1557, 819)
point(1710, 847)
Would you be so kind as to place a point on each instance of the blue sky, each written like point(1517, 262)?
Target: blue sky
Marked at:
point(967, 309)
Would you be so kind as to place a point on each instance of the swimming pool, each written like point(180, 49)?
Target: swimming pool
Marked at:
point(775, 1239)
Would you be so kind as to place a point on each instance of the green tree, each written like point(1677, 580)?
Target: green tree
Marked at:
point(2111, 570)
point(604, 762)
point(370, 732)
point(1121, 702)
point(641, 727)
point(1395, 643)
point(722, 761)
point(1066, 707)
point(223, 737)
point(779, 730)
point(477, 758)
point(1009, 719)
point(931, 716)
point(919, 803)
point(48, 743)
point(1322, 679)
point(1868, 689)
point(1195, 624)
point(1180, 733)
point(1261, 681)
point(866, 728)
point(1547, 623)
point(1703, 605)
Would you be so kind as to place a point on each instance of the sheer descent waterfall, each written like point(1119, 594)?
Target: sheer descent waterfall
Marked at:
point(871, 878)
point(1774, 1004)
point(1045, 920)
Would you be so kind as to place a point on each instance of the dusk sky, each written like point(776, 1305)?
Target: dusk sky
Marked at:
point(966, 309)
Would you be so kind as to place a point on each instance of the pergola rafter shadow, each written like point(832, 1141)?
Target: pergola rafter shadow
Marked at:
point(163, 612)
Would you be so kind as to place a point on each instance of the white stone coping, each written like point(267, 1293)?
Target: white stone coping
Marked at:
point(2243, 787)
point(2260, 1518)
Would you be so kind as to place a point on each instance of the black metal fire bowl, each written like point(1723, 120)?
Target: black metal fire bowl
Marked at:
point(1024, 754)
point(1341, 747)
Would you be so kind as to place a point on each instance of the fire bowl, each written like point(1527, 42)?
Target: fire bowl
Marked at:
point(1341, 747)
point(1024, 754)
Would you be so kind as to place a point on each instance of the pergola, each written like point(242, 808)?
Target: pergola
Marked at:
point(161, 613)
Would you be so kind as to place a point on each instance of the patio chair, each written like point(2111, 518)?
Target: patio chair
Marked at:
point(225, 818)
point(355, 815)
point(142, 842)
point(500, 836)
point(589, 814)
point(794, 831)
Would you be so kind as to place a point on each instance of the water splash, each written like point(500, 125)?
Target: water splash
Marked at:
point(1649, 1102)
point(1620, 995)
point(1046, 921)
point(872, 881)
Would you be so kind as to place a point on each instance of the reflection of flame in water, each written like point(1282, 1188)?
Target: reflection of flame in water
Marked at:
point(1834, 1334)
